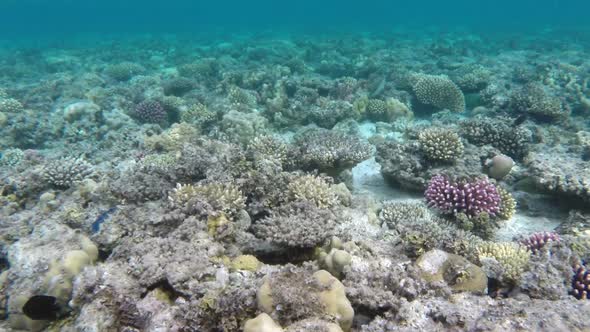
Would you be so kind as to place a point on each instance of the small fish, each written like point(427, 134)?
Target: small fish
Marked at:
point(42, 307)
point(519, 120)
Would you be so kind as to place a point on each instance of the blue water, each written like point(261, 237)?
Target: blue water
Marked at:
point(67, 18)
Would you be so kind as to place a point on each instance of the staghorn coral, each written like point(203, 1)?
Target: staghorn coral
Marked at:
point(298, 225)
point(330, 151)
point(504, 261)
point(471, 197)
point(439, 144)
point(438, 91)
point(66, 171)
point(313, 189)
point(223, 197)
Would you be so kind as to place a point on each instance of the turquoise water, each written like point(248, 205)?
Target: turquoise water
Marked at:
point(66, 18)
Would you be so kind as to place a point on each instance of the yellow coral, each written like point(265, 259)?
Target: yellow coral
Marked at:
point(223, 197)
point(512, 257)
point(313, 189)
point(507, 205)
point(245, 262)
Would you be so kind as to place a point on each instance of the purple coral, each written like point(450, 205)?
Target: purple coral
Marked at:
point(150, 111)
point(538, 240)
point(580, 282)
point(471, 197)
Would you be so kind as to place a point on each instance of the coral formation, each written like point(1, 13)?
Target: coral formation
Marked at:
point(503, 261)
point(329, 151)
point(438, 91)
point(298, 224)
point(440, 144)
point(313, 189)
point(66, 171)
point(471, 197)
point(150, 111)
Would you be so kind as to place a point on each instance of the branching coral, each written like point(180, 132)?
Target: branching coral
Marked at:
point(471, 197)
point(150, 111)
point(511, 257)
point(536, 241)
point(313, 189)
point(534, 100)
point(581, 282)
point(330, 151)
point(507, 204)
point(67, 171)
point(440, 144)
point(513, 141)
point(198, 114)
point(269, 147)
point(394, 213)
point(438, 91)
point(299, 224)
point(223, 197)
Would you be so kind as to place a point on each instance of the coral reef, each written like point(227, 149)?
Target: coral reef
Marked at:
point(402, 180)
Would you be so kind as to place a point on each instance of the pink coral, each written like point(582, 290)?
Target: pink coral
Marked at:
point(471, 197)
point(538, 240)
